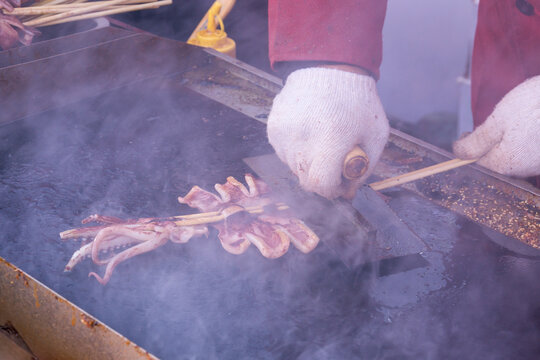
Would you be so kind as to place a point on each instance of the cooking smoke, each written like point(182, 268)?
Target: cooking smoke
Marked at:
point(132, 151)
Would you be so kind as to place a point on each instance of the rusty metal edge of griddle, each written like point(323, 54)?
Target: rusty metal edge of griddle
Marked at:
point(33, 310)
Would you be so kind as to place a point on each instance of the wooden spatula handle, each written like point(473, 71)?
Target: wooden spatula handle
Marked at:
point(355, 164)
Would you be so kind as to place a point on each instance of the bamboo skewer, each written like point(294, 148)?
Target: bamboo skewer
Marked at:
point(51, 12)
point(52, 2)
point(181, 220)
point(206, 218)
point(251, 210)
point(60, 8)
point(83, 3)
point(35, 10)
point(118, 10)
point(419, 174)
point(196, 219)
point(71, 13)
point(217, 216)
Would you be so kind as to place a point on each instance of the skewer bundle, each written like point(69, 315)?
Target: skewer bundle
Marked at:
point(52, 12)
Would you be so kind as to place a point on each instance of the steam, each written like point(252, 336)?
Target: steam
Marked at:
point(132, 151)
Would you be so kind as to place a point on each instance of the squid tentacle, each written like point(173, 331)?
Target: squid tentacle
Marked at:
point(110, 233)
point(271, 232)
point(128, 253)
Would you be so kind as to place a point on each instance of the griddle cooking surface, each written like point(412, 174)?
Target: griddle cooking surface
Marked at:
point(130, 153)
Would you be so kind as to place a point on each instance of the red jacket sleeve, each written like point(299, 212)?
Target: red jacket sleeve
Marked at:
point(345, 31)
point(506, 52)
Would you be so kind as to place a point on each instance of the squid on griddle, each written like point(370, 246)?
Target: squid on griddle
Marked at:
point(242, 216)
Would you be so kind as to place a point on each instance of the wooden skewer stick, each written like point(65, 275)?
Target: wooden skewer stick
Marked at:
point(207, 218)
point(47, 3)
point(419, 174)
point(118, 10)
point(202, 218)
point(71, 13)
point(250, 209)
point(82, 4)
point(53, 9)
point(51, 2)
point(217, 216)
point(181, 220)
point(45, 10)
point(379, 185)
point(34, 11)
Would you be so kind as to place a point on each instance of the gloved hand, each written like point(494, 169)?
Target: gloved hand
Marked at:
point(318, 117)
point(508, 142)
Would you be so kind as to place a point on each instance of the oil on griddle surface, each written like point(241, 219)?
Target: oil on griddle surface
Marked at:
point(130, 153)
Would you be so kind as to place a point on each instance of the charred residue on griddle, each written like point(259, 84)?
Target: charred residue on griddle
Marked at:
point(21, 275)
point(482, 199)
point(486, 204)
point(210, 77)
point(88, 321)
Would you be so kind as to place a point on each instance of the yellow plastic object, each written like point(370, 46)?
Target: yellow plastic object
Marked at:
point(213, 37)
point(226, 7)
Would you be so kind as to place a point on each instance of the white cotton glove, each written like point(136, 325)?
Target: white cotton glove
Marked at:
point(318, 117)
point(508, 142)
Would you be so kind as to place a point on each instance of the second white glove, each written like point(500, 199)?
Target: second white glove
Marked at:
point(318, 117)
point(508, 142)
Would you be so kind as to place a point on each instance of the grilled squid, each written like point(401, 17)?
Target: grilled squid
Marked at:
point(237, 213)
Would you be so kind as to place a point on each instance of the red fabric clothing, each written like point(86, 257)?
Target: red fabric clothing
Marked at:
point(506, 47)
point(506, 53)
point(345, 31)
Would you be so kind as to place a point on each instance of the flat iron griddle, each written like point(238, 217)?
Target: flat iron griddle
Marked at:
point(128, 149)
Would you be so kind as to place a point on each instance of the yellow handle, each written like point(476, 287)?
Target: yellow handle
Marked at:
point(355, 164)
point(225, 7)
